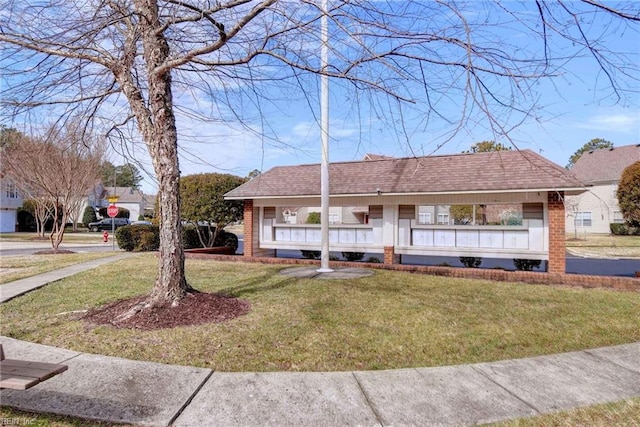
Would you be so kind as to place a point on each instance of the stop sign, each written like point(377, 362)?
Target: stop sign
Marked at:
point(112, 211)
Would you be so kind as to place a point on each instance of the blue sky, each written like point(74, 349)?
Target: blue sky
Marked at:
point(574, 108)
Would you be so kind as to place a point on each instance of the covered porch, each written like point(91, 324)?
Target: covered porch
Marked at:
point(507, 223)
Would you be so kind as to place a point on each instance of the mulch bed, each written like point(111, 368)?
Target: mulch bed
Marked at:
point(194, 309)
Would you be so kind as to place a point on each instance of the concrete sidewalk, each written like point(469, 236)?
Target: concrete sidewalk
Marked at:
point(119, 390)
point(19, 287)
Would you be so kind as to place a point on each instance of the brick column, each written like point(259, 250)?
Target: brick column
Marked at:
point(390, 256)
point(248, 227)
point(557, 250)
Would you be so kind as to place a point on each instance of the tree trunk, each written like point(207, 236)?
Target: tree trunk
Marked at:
point(156, 122)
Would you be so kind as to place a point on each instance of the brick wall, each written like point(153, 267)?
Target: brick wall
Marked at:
point(539, 278)
point(557, 250)
point(248, 228)
point(389, 255)
point(251, 218)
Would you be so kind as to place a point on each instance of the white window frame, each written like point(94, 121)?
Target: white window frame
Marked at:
point(583, 219)
point(617, 217)
point(443, 218)
point(425, 218)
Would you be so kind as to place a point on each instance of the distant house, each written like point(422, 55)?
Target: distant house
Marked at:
point(403, 206)
point(128, 198)
point(600, 170)
point(10, 202)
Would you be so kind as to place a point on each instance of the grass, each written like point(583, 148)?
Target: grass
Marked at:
point(604, 245)
point(81, 236)
point(388, 320)
point(18, 267)
point(622, 413)
point(15, 417)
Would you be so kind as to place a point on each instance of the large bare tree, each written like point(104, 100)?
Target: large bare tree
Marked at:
point(142, 61)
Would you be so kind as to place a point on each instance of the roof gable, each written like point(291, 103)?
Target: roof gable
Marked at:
point(473, 172)
point(606, 164)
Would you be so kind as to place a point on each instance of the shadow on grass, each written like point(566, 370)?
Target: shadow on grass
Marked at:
point(257, 285)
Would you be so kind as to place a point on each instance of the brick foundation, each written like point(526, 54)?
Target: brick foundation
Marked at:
point(557, 249)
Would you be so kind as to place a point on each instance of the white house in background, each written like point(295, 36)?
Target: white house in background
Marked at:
point(600, 171)
point(128, 198)
point(10, 202)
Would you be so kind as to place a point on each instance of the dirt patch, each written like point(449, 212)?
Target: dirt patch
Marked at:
point(52, 252)
point(195, 309)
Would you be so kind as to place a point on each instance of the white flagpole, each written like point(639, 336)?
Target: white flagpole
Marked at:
point(324, 125)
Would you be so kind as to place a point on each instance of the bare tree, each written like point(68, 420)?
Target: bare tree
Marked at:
point(143, 61)
point(56, 170)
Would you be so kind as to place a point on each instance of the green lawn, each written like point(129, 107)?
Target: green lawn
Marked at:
point(622, 413)
point(604, 245)
point(388, 320)
point(18, 267)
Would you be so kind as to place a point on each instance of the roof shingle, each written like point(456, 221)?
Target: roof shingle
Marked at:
point(493, 171)
point(606, 164)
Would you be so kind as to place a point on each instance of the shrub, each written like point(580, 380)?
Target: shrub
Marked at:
point(138, 238)
point(89, 215)
point(190, 238)
point(311, 254)
point(526, 264)
point(470, 261)
point(313, 218)
point(373, 260)
point(618, 229)
point(353, 256)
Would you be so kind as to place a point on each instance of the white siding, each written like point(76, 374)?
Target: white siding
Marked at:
point(600, 200)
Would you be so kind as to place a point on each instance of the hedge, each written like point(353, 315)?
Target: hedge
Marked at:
point(143, 238)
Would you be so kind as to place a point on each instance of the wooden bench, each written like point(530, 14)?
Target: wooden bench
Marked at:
point(24, 374)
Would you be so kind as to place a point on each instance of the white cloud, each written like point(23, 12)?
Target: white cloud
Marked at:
point(617, 122)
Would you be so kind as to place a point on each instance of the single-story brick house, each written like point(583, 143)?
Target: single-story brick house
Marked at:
point(503, 204)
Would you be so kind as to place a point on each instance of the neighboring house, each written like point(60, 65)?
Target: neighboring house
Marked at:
point(128, 198)
point(401, 206)
point(600, 171)
point(10, 202)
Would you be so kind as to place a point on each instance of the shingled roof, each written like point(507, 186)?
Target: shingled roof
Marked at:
point(474, 172)
point(605, 165)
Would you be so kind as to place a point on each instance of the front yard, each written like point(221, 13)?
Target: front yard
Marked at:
point(388, 320)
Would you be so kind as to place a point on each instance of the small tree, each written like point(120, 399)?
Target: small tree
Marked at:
point(594, 144)
point(628, 194)
point(203, 203)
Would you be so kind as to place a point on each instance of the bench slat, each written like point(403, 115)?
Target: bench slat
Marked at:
point(16, 382)
point(23, 374)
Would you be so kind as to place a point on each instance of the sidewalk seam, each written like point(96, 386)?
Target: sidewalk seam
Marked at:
point(366, 397)
point(613, 362)
point(190, 399)
point(510, 392)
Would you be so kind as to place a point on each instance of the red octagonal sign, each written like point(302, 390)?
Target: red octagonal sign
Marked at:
point(112, 211)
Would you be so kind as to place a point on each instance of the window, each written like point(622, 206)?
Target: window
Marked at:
point(12, 193)
point(443, 219)
point(425, 218)
point(333, 218)
point(617, 217)
point(583, 219)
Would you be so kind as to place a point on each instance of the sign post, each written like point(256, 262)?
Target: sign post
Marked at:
point(112, 211)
